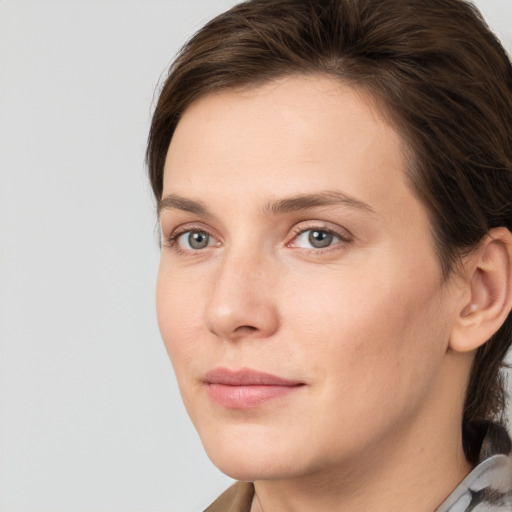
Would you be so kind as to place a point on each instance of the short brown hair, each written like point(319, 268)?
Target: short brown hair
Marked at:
point(433, 66)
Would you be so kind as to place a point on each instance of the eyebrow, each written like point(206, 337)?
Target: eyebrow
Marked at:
point(175, 202)
point(306, 201)
point(286, 205)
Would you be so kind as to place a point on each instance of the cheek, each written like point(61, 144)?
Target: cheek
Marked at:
point(372, 335)
point(178, 314)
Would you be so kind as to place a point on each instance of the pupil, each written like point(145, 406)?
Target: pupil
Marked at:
point(198, 240)
point(319, 239)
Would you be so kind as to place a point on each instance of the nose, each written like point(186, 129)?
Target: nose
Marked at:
point(241, 303)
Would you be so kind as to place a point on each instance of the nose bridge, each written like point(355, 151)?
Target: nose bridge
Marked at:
point(240, 301)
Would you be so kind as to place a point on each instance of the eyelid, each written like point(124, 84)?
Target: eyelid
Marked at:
point(170, 240)
point(342, 233)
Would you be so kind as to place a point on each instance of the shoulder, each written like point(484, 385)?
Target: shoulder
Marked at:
point(238, 498)
point(488, 488)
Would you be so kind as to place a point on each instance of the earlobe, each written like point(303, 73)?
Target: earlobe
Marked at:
point(489, 278)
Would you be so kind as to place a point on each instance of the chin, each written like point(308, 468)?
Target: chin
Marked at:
point(251, 457)
point(250, 470)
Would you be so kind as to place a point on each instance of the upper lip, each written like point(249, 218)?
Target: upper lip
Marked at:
point(246, 377)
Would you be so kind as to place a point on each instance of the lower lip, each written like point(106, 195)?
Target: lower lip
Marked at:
point(245, 397)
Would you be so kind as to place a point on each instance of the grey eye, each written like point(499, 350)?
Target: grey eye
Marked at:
point(198, 239)
point(316, 239)
point(319, 239)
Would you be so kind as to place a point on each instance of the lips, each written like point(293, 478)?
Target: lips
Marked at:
point(246, 388)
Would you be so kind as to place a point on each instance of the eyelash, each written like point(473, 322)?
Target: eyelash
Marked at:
point(171, 241)
point(344, 237)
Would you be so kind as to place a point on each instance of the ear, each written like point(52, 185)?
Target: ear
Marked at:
point(489, 282)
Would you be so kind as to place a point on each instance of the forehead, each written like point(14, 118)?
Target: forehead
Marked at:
point(282, 130)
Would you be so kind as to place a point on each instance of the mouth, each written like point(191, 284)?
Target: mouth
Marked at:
point(246, 388)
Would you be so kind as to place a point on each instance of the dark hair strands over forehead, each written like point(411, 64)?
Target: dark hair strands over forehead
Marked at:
point(435, 71)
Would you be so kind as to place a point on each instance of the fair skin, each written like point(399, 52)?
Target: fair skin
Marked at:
point(293, 245)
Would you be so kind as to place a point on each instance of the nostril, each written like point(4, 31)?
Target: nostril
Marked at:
point(246, 328)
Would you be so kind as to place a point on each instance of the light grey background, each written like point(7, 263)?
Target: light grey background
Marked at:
point(90, 413)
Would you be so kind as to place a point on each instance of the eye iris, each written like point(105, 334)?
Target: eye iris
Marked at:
point(198, 239)
point(319, 239)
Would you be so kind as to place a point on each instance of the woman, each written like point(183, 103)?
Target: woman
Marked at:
point(334, 184)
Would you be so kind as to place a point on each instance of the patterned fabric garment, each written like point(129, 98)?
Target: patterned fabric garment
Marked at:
point(488, 488)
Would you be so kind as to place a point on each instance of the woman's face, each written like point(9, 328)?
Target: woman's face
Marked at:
point(299, 295)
